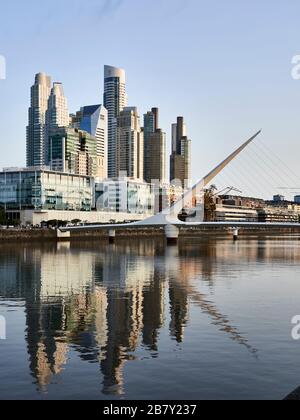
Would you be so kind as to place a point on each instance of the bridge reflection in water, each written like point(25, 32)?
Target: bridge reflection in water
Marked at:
point(104, 302)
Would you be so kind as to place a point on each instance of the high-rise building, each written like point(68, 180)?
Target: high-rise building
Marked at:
point(115, 100)
point(57, 114)
point(36, 129)
point(180, 160)
point(179, 130)
point(186, 152)
point(156, 160)
point(75, 120)
point(154, 148)
point(74, 151)
point(130, 144)
point(93, 120)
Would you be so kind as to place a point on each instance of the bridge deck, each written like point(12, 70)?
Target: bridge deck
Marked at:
point(140, 225)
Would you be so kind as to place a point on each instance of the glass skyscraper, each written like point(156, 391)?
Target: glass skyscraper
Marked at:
point(115, 100)
point(36, 129)
point(154, 148)
point(93, 120)
point(130, 145)
point(57, 114)
point(180, 160)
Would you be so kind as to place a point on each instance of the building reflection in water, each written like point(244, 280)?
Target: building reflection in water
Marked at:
point(105, 301)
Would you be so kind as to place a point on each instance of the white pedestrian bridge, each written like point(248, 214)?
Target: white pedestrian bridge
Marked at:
point(169, 218)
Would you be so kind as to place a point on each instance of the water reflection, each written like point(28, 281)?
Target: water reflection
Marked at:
point(103, 302)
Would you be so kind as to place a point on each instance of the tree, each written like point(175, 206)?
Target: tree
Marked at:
point(75, 222)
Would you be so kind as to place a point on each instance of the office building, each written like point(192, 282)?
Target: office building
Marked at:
point(180, 160)
point(75, 151)
point(57, 114)
point(130, 144)
point(26, 189)
point(36, 129)
point(154, 149)
point(93, 120)
point(297, 199)
point(186, 153)
point(124, 195)
point(150, 124)
point(115, 100)
point(156, 158)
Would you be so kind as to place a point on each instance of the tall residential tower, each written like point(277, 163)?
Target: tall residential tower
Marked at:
point(57, 115)
point(130, 145)
point(93, 119)
point(36, 129)
point(180, 160)
point(154, 149)
point(115, 100)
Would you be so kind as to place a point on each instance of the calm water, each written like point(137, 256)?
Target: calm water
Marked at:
point(137, 320)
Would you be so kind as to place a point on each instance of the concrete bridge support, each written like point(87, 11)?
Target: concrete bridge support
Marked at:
point(112, 236)
point(63, 236)
point(235, 233)
point(172, 234)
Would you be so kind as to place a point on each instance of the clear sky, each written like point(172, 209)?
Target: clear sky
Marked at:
point(224, 65)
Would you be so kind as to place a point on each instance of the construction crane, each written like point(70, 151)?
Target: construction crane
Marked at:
point(226, 191)
point(210, 202)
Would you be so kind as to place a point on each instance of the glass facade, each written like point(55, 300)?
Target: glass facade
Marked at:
point(125, 196)
point(64, 148)
point(74, 151)
point(45, 190)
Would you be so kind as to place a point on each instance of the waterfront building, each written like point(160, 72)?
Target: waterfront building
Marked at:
point(130, 144)
point(57, 115)
point(75, 151)
point(115, 100)
point(93, 120)
point(225, 213)
point(249, 209)
point(278, 198)
point(36, 129)
point(27, 189)
point(278, 215)
point(297, 199)
point(124, 195)
point(154, 149)
point(239, 201)
point(180, 160)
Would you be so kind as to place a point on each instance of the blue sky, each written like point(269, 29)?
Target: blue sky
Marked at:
point(224, 65)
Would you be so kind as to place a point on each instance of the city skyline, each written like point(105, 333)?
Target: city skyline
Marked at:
point(112, 144)
point(227, 87)
point(118, 143)
point(149, 203)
